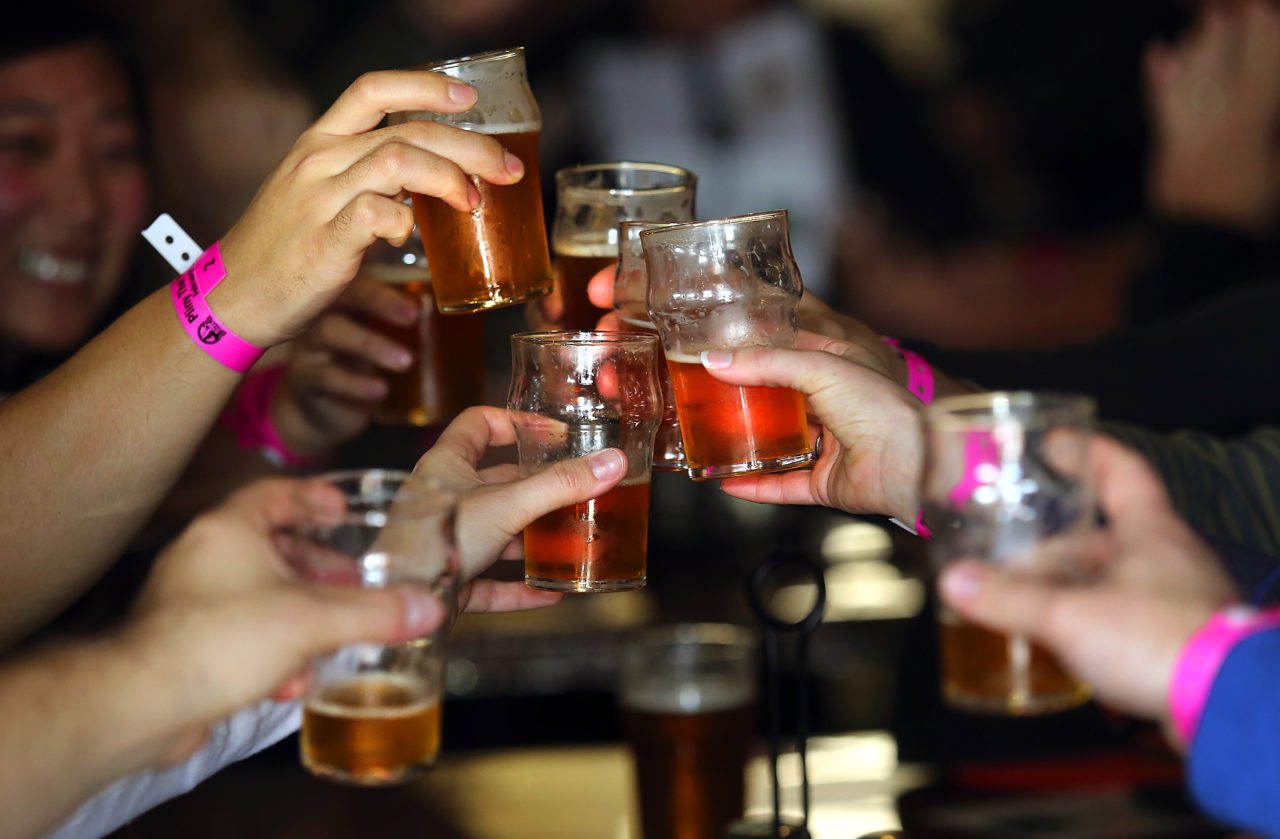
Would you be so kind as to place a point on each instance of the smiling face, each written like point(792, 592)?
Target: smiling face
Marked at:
point(73, 190)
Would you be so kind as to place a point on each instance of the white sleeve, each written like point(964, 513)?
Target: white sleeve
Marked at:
point(244, 733)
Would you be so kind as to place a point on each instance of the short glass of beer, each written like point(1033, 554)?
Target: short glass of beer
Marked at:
point(630, 296)
point(574, 393)
point(591, 198)
point(496, 254)
point(371, 714)
point(727, 284)
point(688, 702)
point(1007, 481)
point(447, 373)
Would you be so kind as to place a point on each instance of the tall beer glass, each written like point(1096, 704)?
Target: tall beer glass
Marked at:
point(447, 373)
point(591, 199)
point(688, 700)
point(720, 285)
point(496, 254)
point(573, 393)
point(1007, 481)
point(630, 300)
point(372, 712)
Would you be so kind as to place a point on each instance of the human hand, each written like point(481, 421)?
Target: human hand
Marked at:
point(331, 385)
point(1122, 633)
point(495, 504)
point(341, 187)
point(871, 449)
point(221, 621)
point(1215, 102)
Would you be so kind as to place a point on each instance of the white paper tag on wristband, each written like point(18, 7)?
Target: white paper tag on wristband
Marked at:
point(172, 242)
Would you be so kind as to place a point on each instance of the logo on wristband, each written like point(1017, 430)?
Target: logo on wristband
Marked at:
point(210, 331)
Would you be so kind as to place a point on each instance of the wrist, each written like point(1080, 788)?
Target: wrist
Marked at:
point(242, 312)
point(296, 430)
point(260, 418)
point(1200, 658)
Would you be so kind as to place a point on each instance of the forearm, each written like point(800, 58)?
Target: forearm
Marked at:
point(74, 719)
point(89, 452)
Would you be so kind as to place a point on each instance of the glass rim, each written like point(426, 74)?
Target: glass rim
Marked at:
point(477, 58)
point(690, 179)
point(708, 633)
point(981, 410)
point(746, 218)
point(641, 225)
point(584, 338)
point(415, 483)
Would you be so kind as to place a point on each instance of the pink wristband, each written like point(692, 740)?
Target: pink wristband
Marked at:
point(1198, 662)
point(249, 418)
point(189, 291)
point(920, 383)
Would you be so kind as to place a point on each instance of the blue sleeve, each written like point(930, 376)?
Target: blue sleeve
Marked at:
point(1234, 765)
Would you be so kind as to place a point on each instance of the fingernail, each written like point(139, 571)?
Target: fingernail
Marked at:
point(607, 464)
point(421, 611)
point(716, 359)
point(473, 195)
point(514, 164)
point(399, 358)
point(461, 93)
point(960, 583)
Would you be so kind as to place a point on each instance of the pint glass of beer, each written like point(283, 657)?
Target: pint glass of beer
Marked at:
point(688, 701)
point(447, 374)
point(1007, 481)
point(573, 393)
point(630, 300)
point(372, 712)
point(496, 254)
point(591, 199)
point(727, 284)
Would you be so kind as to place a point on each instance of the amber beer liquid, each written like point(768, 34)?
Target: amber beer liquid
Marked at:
point(729, 429)
point(573, 272)
point(595, 545)
point(496, 254)
point(997, 673)
point(668, 446)
point(374, 729)
point(447, 374)
point(690, 765)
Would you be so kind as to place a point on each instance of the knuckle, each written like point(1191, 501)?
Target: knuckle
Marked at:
point(392, 158)
point(367, 85)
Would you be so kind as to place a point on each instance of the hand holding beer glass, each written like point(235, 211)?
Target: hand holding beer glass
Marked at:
point(447, 372)
point(1007, 481)
point(591, 199)
point(573, 393)
point(726, 284)
point(688, 700)
point(372, 712)
point(496, 254)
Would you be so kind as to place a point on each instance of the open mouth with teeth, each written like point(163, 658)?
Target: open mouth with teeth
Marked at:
point(48, 267)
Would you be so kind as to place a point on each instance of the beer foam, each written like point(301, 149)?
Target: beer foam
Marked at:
point(392, 274)
point(684, 358)
point(569, 247)
point(646, 325)
point(416, 700)
point(713, 693)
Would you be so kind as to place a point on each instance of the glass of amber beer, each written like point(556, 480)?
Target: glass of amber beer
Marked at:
point(727, 284)
point(573, 393)
point(496, 254)
point(1007, 481)
point(591, 198)
point(371, 714)
point(688, 702)
point(447, 373)
point(630, 300)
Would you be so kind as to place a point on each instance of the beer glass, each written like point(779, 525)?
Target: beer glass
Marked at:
point(371, 714)
point(688, 702)
point(630, 296)
point(496, 254)
point(720, 285)
point(573, 393)
point(447, 373)
point(591, 199)
point(1007, 481)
